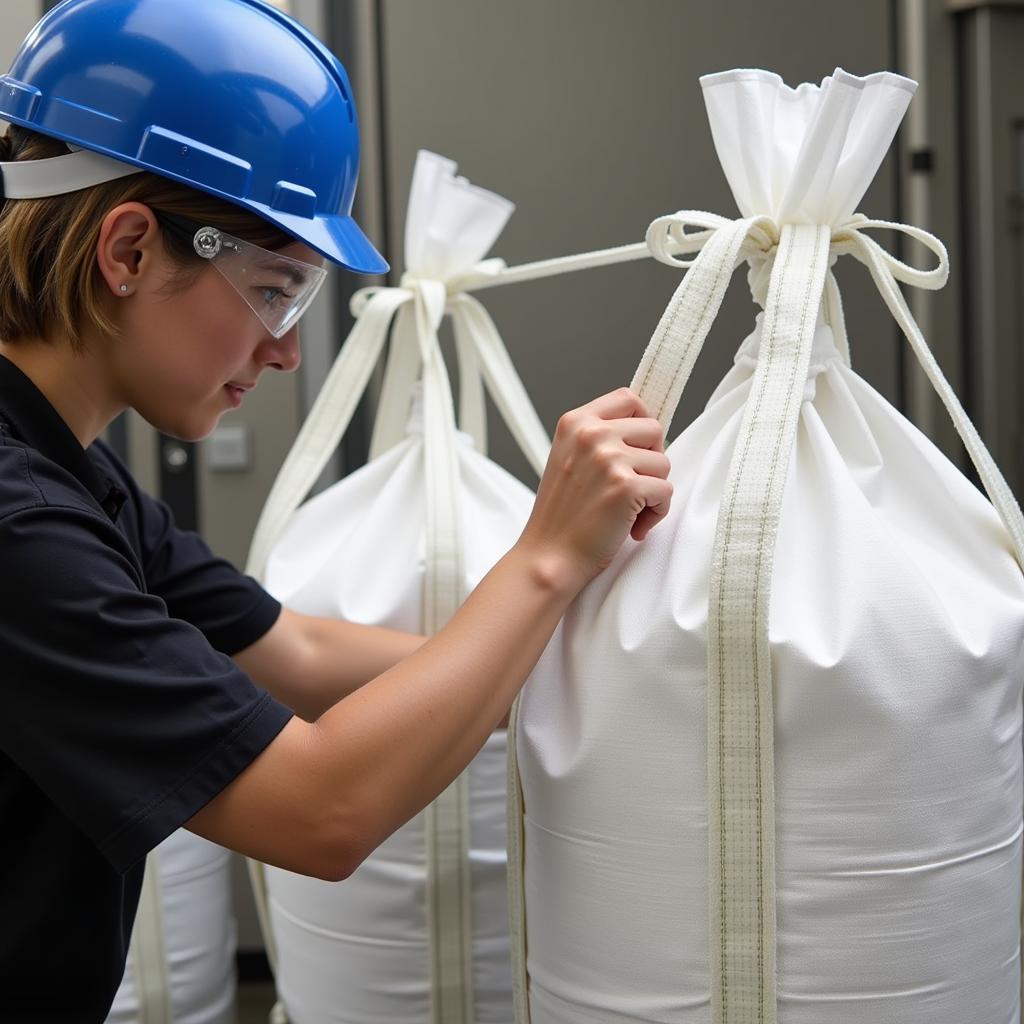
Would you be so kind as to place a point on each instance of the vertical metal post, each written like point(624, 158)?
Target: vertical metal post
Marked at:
point(919, 395)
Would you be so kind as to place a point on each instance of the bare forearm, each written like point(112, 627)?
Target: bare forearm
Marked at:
point(407, 734)
point(310, 663)
point(346, 656)
point(323, 795)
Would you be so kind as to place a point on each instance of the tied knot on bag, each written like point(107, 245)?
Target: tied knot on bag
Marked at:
point(435, 296)
point(671, 237)
point(409, 316)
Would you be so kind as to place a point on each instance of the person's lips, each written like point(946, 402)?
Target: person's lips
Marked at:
point(236, 391)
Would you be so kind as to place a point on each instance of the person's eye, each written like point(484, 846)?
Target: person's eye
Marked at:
point(272, 296)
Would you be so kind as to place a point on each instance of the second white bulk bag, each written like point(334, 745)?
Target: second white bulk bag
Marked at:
point(360, 950)
point(181, 962)
point(769, 768)
point(419, 933)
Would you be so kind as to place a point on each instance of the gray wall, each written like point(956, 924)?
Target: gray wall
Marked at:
point(991, 56)
point(587, 113)
point(16, 19)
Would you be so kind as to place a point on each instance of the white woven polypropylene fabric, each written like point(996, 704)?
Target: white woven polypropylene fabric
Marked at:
point(186, 943)
point(894, 643)
point(359, 951)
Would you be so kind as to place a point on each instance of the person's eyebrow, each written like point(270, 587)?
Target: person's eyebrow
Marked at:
point(295, 275)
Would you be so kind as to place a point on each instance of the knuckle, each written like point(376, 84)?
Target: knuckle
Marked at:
point(566, 423)
point(621, 480)
point(654, 428)
point(641, 406)
point(589, 435)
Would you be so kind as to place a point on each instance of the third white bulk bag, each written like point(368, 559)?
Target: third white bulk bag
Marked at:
point(769, 768)
point(419, 933)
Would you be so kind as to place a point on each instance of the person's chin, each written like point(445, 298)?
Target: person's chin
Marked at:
point(195, 428)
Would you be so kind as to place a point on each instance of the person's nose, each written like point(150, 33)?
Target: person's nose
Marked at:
point(281, 353)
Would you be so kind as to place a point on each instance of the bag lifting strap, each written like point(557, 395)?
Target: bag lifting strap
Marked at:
point(149, 950)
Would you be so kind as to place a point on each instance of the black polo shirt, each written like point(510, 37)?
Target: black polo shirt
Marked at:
point(121, 712)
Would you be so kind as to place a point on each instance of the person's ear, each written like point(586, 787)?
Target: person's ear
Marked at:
point(128, 247)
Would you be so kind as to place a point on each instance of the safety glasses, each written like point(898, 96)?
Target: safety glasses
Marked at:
point(277, 288)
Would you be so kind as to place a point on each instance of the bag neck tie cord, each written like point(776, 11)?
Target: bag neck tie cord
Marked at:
point(755, 240)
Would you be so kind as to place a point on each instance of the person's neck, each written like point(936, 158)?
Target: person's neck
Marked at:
point(73, 383)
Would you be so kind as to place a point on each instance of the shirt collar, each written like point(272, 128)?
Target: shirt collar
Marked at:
point(28, 416)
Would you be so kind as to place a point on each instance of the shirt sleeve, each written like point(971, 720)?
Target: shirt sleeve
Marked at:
point(125, 716)
point(231, 609)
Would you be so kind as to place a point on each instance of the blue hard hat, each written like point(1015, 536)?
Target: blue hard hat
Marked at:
point(230, 96)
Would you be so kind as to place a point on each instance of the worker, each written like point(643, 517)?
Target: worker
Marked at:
point(176, 179)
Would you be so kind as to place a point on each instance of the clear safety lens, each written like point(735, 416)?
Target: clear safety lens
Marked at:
point(277, 288)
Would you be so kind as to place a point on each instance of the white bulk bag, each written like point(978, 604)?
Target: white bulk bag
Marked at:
point(181, 963)
point(419, 933)
point(812, 817)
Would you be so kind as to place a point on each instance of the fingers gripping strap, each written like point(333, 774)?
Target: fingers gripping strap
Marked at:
point(741, 812)
point(149, 950)
point(677, 340)
point(330, 416)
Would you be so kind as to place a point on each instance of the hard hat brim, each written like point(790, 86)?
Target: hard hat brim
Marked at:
point(337, 237)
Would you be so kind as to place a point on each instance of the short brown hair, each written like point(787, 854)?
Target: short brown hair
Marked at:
point(49, 278)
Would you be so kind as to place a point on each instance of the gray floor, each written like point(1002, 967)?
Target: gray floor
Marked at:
point(255, 1001)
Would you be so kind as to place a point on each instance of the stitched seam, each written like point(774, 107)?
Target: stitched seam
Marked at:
point(44, 502)
point(22, 455)
point(31, 476)
point(63, 506)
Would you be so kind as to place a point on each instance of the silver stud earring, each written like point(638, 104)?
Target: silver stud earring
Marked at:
point(124, 289)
